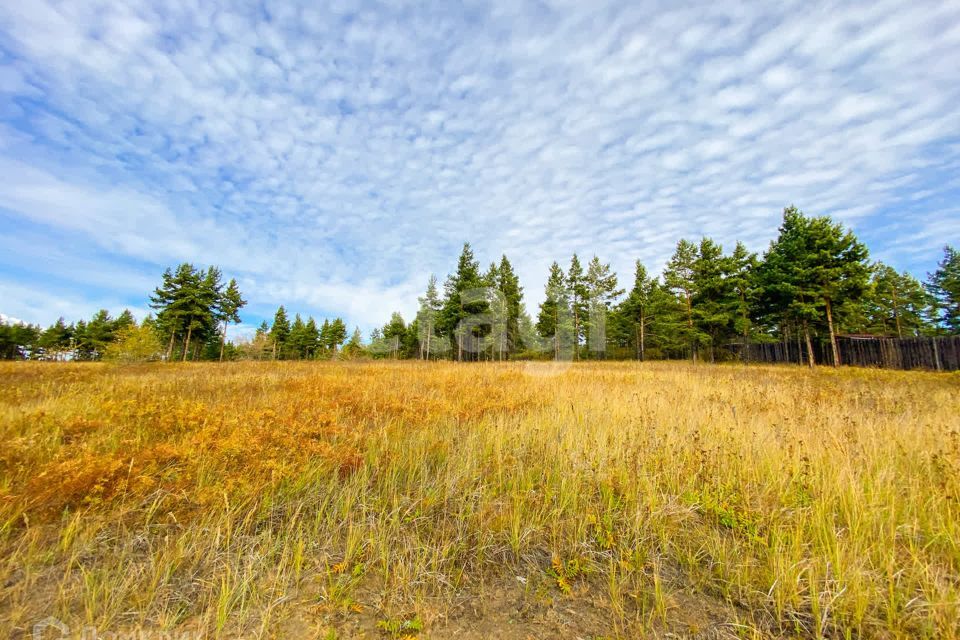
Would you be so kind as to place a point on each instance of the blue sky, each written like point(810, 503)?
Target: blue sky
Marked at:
point(331, 155)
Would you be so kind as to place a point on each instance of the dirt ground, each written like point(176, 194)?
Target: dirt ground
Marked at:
point(533, 609)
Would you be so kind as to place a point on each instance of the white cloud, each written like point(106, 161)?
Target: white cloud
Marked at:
point(5, 319)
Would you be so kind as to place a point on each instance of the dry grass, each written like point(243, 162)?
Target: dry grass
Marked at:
point(342, 500)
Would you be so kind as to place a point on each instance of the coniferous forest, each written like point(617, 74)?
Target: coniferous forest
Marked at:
point(812, 291)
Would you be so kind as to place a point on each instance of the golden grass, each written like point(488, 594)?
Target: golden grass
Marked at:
point(281, 499)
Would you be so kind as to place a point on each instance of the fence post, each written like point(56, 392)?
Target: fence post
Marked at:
point(936, 354)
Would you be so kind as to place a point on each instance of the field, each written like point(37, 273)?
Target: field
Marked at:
point(387, 500)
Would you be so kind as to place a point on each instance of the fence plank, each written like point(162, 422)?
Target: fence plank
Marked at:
point(935, 353)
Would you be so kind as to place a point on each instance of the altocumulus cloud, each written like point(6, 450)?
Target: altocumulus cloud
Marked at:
point(332, 155)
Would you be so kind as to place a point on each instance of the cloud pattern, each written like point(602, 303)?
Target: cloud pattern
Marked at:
point(332, 155)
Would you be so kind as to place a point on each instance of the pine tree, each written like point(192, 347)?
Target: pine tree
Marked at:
point(812, 265)
point(394, 335)
point(579, 302)
point(493, 333)
point(202, 317)
point(185, 303)
point(80, 345)
point(555, 320)
point(228, 310)
point(600, 287)
point(669, 335)
point(457, 308)
point(165, 299)
point(18, 341)
point(742, 276)
point(325, 342)
point(354, 346)
point(279, 331)
point(261, 346)
point(296, 343)
point(337, 333)
point(427, 315)
point(678, 277)
point(90, 339)
point(509, 285)
point(896, 303)
point(634, 314)
point(714, 301)
point(96, 335)
point(311, 338)
point(944, 285)
point(56, 340)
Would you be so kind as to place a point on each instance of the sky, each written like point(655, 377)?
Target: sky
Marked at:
point(332, 155)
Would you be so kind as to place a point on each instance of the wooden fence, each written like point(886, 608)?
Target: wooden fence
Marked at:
point(937, 354)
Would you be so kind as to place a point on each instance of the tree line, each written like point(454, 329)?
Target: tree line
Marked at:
point(299, 340)
point(814, 282)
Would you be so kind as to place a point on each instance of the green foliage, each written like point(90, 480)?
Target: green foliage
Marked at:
point(563, 573)
point(630, 324)
point(742, 279)
point(18, 340)
point(354, 347)
point(460, 304)
point(600, 285)
point(279, 332)
point(813, 265)
point(55, 342)
point(894, 304)
point(507, 283)
point(813, 281)
point(944, 286)
point(578, 296)
point(227, 310)
point(427, 315)
point(725, 508)
point(555, 322)
point(191, 305)
point(298, 343)
point(398, 627)
point(135, 344)
point(336, 334)
point(395, 340)
point(679, 279)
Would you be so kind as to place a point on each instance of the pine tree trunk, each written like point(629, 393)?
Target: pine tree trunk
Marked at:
point(743, 352)
point(746, 327)
point(833, 336)
point(643, 339)
point(170, 346)
point(556, 334)
point(693, 341)
point(576, 330)
point(223, 339)
point(429, 334)
point(806, 334)
point(186, 346)
point(896, 313)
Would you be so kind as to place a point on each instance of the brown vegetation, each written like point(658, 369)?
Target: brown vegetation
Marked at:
point(489, 500)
